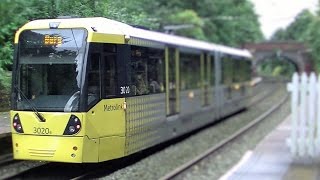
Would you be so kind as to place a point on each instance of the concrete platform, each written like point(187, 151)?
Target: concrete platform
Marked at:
point(271, 160)
point(4, 123)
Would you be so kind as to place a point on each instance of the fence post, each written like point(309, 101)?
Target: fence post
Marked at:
point(317, 138)
point(311, 114)
point(293, 87)
point(302, 115)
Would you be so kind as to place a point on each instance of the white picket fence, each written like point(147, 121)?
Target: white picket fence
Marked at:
point(304, 140)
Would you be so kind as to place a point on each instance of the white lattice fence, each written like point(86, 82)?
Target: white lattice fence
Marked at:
point(304, 140)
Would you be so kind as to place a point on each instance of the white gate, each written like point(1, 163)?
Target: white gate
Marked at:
point(304, 140)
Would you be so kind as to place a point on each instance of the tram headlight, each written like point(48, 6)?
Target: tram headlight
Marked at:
point(16, 123)
point(73, 126)
point(72, 129)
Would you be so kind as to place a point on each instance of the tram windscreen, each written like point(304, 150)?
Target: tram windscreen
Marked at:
point(49, 69)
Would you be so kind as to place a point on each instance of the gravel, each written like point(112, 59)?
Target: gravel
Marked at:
point(160, 163)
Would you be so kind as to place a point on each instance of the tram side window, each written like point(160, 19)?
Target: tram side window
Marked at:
point(147, 70)
point(156, 71)
point(227, 70)
point(213, 70)
point(109, 64)
point(247, 67)
point(94, 79)
point(241, 74)
point(190, 71)
point(237, 71)
point(241, 68)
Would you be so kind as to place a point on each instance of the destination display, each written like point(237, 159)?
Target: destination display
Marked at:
point(52, 40)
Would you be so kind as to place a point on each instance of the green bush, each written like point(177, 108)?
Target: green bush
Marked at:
point(5, 81)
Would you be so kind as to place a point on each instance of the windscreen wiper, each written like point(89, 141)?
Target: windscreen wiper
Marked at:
point(75, 41)
point(34, 109)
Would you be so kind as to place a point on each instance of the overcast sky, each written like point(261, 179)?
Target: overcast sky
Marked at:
point(275, 14)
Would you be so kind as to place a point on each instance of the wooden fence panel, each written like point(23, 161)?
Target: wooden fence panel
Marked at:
point(305, 119)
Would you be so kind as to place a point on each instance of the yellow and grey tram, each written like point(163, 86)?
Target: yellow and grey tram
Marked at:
point(94, 89)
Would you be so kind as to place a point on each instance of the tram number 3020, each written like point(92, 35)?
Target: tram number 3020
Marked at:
point(41, 130)
point(124, 90)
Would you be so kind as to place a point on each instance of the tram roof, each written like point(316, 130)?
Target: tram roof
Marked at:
point(108, 26)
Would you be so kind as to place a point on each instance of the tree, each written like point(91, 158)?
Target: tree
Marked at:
point(131, 12)
point(188, 17)
point(297, 30)
point(305, 28)
point(13, 16)
point(313, 41)
point(230, 22)
point(279, 35)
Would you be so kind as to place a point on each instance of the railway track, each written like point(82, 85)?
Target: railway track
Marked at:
point(8, 166)
point(176, 172)
point(6, 156)
point(6, 159)
point(257, 97)
point(113, 166)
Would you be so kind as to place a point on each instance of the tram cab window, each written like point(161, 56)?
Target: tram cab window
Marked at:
point(110, 76)
point(49, 73)
point(102, 73)
point(94, 79)
point(109, 71)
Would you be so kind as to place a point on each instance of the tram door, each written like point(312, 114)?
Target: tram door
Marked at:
point(172, 79)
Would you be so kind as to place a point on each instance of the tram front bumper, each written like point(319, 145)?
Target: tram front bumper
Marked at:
point(55, 148)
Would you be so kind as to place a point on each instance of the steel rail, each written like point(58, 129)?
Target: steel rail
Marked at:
point(5, 135)
point(263, 96)
point(6, 159)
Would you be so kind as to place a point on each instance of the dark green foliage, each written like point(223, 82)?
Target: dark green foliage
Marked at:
point(227, 22)
point(276, 66)
point(297, 30)
point(313, 40)
point(188, 17)
point(5, 80)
